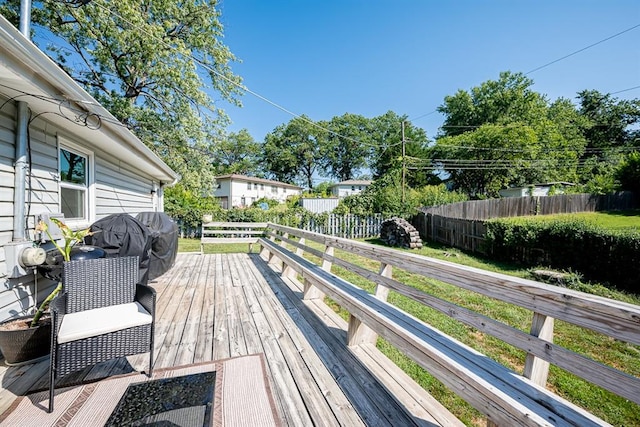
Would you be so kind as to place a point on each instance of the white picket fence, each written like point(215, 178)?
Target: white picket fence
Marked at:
point(347, 226)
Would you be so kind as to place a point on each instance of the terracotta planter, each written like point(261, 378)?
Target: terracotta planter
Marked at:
point(21, 346)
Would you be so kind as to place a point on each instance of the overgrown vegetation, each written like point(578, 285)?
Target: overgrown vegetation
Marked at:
point(578, 243)
point(384, 196)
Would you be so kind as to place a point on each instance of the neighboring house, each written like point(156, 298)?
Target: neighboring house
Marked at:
point(238, 191)
point(349, 187)
point(535, 189)
point(60, 152)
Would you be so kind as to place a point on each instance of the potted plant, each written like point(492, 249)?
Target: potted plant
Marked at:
point(27, 338)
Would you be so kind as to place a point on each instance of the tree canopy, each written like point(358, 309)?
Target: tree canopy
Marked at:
point(502, 134)
point(152, 65)
point(237, 153)
point(346, 145)
point(292, 152)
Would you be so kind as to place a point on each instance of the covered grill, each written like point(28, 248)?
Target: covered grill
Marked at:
point(123, 235)
point(164, 241)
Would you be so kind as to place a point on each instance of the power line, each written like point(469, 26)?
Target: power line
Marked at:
point(565, 57)
point(625, 90)
point(232, 82)
point(583, 49)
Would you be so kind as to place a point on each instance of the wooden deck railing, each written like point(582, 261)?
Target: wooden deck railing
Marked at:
point(231, 232)
point(617, 320)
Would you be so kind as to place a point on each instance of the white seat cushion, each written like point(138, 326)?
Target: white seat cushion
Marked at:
point(91, 323)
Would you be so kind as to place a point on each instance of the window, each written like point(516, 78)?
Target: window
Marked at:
point(274, 189)
point(255, 186)
point(248, 186)
point(353, 188)
point(262, 186)
point(74, 169)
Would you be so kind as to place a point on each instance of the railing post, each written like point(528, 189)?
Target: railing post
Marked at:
point(312, 292)
point(326, 264)
point(283, 243)
point(300, 251)
point(271, 254)
point(284, 268)
point(359, 333)
point(537, 369)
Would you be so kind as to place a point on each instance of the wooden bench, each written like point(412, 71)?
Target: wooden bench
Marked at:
point(506, 397)
point(231, 232)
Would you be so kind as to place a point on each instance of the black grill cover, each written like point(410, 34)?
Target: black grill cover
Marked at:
point(164, 241)
point(123, 235)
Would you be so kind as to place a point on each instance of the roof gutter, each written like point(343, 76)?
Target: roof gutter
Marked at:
point(41, 68)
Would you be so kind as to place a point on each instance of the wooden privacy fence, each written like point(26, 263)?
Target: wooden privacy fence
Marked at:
point(467, 234)
point(506, 397)
point(461, 225)
point(535, 205)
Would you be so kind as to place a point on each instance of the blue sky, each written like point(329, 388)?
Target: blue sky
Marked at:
point(327, 58)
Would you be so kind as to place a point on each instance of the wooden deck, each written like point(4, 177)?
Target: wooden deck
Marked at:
point(212, 307)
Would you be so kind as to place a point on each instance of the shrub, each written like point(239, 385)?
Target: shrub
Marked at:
point(611, 256)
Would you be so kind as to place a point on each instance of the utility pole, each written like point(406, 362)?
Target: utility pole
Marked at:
point(403, 161)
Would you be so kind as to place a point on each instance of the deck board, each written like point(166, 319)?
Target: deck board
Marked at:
point(216, 306)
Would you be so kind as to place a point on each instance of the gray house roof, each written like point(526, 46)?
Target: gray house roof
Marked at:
point(30, 75)
point(352, 182)
point(245, 178)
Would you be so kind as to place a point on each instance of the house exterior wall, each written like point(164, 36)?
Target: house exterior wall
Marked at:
point(240, 191)
point(117, 188)
point(344, 190)
point(524, 192)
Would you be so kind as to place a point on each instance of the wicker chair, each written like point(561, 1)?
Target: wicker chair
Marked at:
point(101, 314)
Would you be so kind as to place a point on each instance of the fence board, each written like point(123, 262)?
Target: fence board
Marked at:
point(347, 226)
point(461, 225)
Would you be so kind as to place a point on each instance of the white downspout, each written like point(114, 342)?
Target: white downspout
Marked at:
point(22, 123)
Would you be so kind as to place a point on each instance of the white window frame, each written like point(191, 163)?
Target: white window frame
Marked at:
point(89, 196)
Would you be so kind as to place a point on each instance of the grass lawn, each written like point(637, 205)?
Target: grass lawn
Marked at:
point(193, 245)
point(612, 220)
point(611, 408)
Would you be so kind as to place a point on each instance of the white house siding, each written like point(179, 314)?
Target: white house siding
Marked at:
point(234, 191)
point(349, 187)
point(347, 190)
point(118, 188)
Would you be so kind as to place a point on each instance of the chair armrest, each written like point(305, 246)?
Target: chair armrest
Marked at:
point(146, 296)
point(58, 308)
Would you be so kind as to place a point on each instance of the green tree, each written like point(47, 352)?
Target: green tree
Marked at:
point(610, 127)
point(387, 153)
point(292, 152)
point(347, 145)
point(187, 207)
point(502, 134)
point(323, 189)
point(628, 173)
point(148, 63)
point(610, 123)
point(237, 153)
